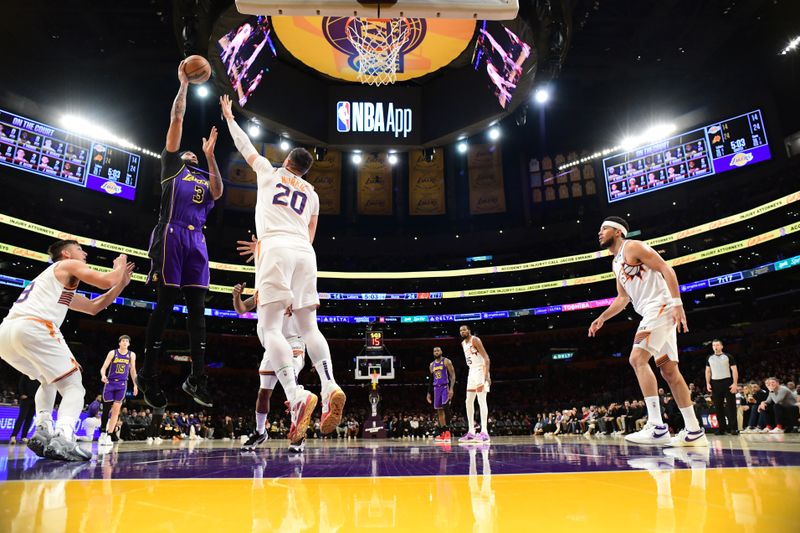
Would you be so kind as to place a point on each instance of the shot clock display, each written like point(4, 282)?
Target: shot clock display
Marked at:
point(47, 151)
point(374, 341)
point(712, 149)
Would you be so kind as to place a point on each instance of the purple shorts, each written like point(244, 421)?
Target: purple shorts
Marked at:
point(114, 391)
point(439, 397)
point(179, 256)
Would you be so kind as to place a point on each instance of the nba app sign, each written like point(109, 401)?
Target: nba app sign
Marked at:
point(373, 117)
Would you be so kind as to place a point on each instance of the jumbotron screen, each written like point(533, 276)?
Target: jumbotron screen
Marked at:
point(240, 51)
point(53, 153)
point(501, 54)
point(725, 145)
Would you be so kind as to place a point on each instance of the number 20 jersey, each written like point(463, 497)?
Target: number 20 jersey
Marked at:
point(285, 203)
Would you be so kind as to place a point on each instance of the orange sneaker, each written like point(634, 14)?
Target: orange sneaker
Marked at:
point(332, 408)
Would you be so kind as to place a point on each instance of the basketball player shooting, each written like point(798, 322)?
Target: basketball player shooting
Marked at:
point(443, 379)
point(644, 278)
point(122, 363)
point(31, 342)
point(179, 254)
point(478, 382)
point(287, 210)
point(266, 371)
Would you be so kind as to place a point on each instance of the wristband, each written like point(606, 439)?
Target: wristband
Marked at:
point(676, 302)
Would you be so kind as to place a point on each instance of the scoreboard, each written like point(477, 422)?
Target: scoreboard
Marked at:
point(57, 154)
point(712, 149)
point(374, 340)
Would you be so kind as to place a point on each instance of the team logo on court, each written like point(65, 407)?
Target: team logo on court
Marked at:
point(741, 159)
point(343, 116)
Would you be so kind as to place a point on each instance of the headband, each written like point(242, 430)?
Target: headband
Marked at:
point(616, 225)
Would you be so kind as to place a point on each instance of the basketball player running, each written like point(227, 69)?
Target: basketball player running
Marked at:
point(444, 378)
point(478, 382)
point(31, 342)
point(179, 255)
point(644, 278)
point(266, 371)
point(287, 210)
point(122, 362)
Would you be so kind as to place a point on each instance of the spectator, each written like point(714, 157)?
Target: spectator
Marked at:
point(784, 407)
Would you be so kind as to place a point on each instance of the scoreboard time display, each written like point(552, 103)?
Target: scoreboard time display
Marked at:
point(53, 153)
point(374, 341)
point(719, 147)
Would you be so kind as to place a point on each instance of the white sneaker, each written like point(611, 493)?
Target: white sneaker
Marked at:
point(301, 410)
point(695, 458)
point(104, 440)
point(333, 400)
point(689, 438)
point(158, 440)
point(149, 440)
point(776, 430)
point(652, 434)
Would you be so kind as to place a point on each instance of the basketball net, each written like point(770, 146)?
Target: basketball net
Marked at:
point(375, 376)
point(378, 43)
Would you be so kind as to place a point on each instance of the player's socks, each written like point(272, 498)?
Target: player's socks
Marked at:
point(690, 419)
point(653, 410)
point(261, 421)
point(325, 372)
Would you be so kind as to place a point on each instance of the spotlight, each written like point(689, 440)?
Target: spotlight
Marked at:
point(494, 133)
point(202, 91)
point(392, 159)
point(462, 147)
point(284, 144)
point(356, 158)
point(542, 95)
point(253, 130)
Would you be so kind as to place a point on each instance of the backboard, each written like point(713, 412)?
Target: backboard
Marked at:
point(453, 9)
point(366, 364)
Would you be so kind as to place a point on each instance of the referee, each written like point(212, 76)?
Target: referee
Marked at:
point(722, 377)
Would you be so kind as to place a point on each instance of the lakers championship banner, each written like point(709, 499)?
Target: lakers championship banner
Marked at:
point(426, 184)
point(375, 185)
point(459, 272)
point(486, 189)
point(326, 177)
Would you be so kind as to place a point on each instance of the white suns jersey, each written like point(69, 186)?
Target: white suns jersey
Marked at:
point(44, 298)
point(647, 289)
point(474, 359)
point(284, 203)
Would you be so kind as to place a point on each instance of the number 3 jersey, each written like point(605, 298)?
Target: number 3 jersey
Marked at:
point(44, 298)
point(185, 193)
point(285, 203)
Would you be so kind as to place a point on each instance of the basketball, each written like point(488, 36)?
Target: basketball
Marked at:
point(197, 69)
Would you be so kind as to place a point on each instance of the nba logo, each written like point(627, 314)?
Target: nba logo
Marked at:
point(343, 116)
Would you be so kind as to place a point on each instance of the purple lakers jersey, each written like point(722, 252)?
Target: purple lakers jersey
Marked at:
point(120, 366)
point(440, 377)
point(185, 193)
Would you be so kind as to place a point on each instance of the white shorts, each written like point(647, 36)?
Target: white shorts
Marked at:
point(36, 348)
point(476, 380)
point(267, 372)
point(658, 335)
point(286, 272)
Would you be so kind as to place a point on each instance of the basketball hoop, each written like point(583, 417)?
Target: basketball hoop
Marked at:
point(378, 43)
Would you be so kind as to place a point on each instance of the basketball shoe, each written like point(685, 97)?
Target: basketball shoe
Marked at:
point(469, 437)
point(64, 449)
point(689, 438)
point(254, 440)
point(654, 434)
point(333, 399)
point(197, 388)
point(482, 437)
point(40, 439)
point(444, 436)
point(151, 391)
point(301, 410)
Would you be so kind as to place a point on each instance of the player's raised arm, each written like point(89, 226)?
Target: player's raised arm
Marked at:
point(175, 130)
point(241, 140)
point(91, 307)
point(102, 280)
point(213, 169)
point(652, 260)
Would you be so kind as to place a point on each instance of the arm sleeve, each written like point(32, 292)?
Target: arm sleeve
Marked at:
point(246, 148)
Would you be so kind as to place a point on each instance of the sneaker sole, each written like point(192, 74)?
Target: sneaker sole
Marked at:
point(188, 391)
point(335, 410)
point(149, 402)
point(305, 418)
